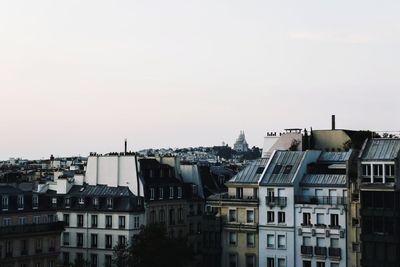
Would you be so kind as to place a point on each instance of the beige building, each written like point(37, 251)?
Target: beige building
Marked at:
point(238, 211)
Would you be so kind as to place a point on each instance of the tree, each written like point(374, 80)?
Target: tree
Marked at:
point(153, 248)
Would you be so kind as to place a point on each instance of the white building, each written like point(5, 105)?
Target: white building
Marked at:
point(320, 209)
point(278, 186)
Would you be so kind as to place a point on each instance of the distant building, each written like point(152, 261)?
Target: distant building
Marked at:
point(29, 232)
point(241, 144)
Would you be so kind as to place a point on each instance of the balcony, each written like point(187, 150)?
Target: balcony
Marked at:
point(335, 253)
point(276, 201)
point(31, 228)
point(307, 251)
point(232, 198)
point(323, 200)
point(24, 252)
point(320, 251)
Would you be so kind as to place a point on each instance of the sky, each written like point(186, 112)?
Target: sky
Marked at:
point(80, 76)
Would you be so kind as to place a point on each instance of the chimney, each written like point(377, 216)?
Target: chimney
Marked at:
point(126, 145)
point(333, 122)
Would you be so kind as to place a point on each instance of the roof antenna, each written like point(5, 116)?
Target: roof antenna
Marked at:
point(126, 145)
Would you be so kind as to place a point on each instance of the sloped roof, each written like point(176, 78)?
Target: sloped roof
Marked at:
point(251, 173)
point(381, 149)
point(289, 162)
point(335, 156)
point(100, 191)
point(321, 180)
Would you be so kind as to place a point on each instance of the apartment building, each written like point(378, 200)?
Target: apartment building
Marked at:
point(97, 218)
point(321, 212)
point(238, 211)
point(379, 164)
point(29, 232)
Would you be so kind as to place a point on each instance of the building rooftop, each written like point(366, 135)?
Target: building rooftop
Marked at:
point(282, 168)
point(334, 157)
point(100, 191)
point(380, 149)
point(321, 180)
point(251, 173)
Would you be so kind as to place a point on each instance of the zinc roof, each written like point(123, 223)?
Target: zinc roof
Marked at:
point(251, 173)
point(321, 180)
point(335, 156)
point(100, 190)
point(381, 149)
point(285, 175)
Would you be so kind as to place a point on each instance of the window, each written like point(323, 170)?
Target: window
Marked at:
point(281, 217)
point(22, 220)
point(270, 241)
point(281, 262)
point(80, 220)
point(93, 240)
point(95, 202)
point(334, 264)
point(320, 264)
point(108, 241)
point(378, 169)
point(277, 169)
point(239, 192)
point(389, 173)
point(287, 169)
point(232, 215)
point(79, 257)
point(251, 240)
point(255, 192)
point(232, 260)
point(250, 216)
point(232, 238)
point(320, 219)
point(79, 240)
point(52, 244)
point(36, 219)
point(81, 201)
point(4, 202)
point(24, 247)
point(171, 216)
point(161, 193)
point(109, 203)
point(108, 221)
point(180, 215)
point(35, 201)
point(270, 217)
point(306, 263)
point(108, 260)
point(67, 202)
point(306, 219)
point(171, 192)
point(93, 260)
point(94, 221)
point(136, 222)
point(151, 193)
point(270, 262)
point(250, 260)
point(38, 245)
point(66, 239)
point(281, 241)
point(20, 202)
point(66, 258)
point(121, 239)
point(6, 221)
point(54, 202)
point(121, 220)
point(161, 216)
point(179, 192)
point(366, 169)
point(334, 220)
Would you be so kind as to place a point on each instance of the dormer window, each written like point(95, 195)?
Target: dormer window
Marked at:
point(161, 193)
point(171, 192)
point(179, 192)
point(81, 201)
point(54, 202)
point(67, 202)
point(4, 203)
point(151, 193)
point(35, 201)
point(109, 203)
point(95, 202)
point(277, 169)
point(20, 202)
point(287, 169)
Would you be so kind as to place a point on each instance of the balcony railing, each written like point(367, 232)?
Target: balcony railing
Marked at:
point(335, 252)
point(307, 250)
point(322, 200)
point(320, 251)
point(276, 201)
point(31, 228)
point(236, 198)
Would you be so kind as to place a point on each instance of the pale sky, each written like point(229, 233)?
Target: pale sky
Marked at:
point(80, 76)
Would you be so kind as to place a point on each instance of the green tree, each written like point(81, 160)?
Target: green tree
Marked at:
point(153, 248)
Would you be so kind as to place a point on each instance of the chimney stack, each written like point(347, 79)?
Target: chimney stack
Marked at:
point(333, 122)
point(126, 145)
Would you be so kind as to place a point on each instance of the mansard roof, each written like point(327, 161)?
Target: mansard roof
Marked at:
point(380, 149)
point(324, 180)
point(251, 173)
